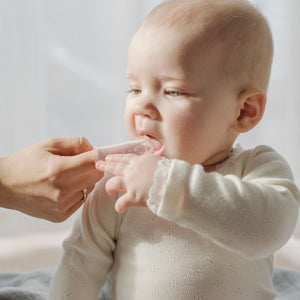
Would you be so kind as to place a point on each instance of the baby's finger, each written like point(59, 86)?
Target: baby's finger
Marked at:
point(123, 203)
point(120, 157)
point(112, 168)
point(114, 185)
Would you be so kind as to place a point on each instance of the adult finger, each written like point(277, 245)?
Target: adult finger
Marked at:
point(85, 179)
point(83, 193)
point(67, 146)
point(74, 208)
point(69, 212)
point(76, 197)
point(78, 164)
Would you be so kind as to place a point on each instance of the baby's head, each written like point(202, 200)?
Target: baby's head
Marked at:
point(200, 69)
point(233, 30)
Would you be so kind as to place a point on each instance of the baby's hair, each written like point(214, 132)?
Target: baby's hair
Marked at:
point(236, 26)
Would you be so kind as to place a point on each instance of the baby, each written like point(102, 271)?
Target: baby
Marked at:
point(199, 218)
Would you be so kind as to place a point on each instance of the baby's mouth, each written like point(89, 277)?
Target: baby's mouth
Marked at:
point(158, 146)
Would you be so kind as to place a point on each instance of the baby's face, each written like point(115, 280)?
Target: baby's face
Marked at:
point(177, 99)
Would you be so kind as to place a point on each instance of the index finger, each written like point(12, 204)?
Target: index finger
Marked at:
point(80, 163)
point(67, 146)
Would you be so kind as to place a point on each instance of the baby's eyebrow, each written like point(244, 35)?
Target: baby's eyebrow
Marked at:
point(173, 78)
point(162, 77)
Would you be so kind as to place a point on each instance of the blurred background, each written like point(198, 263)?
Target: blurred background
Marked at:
point(62, 67)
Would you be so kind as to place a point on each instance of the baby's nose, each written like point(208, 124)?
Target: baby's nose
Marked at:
point(146, 107)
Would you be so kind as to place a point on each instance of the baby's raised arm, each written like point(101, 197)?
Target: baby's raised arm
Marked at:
point(251, 211)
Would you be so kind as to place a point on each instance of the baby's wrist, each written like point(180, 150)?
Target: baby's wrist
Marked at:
point(158, 189)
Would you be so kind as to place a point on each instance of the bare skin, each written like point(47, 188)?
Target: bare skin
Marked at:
point(46, 180)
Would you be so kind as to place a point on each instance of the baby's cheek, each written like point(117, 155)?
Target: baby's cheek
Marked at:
point(130, 124)
point(183, 139)
point(175, 144)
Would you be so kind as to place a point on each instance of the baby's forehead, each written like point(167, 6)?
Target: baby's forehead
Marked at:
point(210, 22)
point(175, 15)
point(201, 15)
point(184, 32)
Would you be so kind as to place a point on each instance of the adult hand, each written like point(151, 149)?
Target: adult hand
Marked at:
point(132, 174)
point(47, 180)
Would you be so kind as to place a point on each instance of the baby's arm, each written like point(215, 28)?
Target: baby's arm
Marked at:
point(88, 252)
point(253, 214)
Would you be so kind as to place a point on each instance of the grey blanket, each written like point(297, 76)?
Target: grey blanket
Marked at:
point(34, 285)
point(287, 284)
point(25, 286)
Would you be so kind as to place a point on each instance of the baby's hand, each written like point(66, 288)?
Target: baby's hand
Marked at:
point(132, 174)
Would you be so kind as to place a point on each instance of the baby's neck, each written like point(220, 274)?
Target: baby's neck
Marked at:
point(212, 167)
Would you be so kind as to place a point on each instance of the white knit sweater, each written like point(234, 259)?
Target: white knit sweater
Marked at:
point(206, 235)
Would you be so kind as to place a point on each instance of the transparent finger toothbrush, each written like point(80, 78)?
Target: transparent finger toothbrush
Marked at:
point(137, 146)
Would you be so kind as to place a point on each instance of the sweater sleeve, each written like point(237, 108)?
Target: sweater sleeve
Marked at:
point(251, 211)
point(88, 252)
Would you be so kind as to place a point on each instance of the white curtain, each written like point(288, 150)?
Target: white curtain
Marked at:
point(62, 70)
point(62, 65)
point(279, 127)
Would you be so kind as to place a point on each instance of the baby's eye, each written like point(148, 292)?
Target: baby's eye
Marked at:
point(173, 93)
point(134, 91)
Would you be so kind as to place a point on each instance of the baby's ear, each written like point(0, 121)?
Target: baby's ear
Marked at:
point(252, 106)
